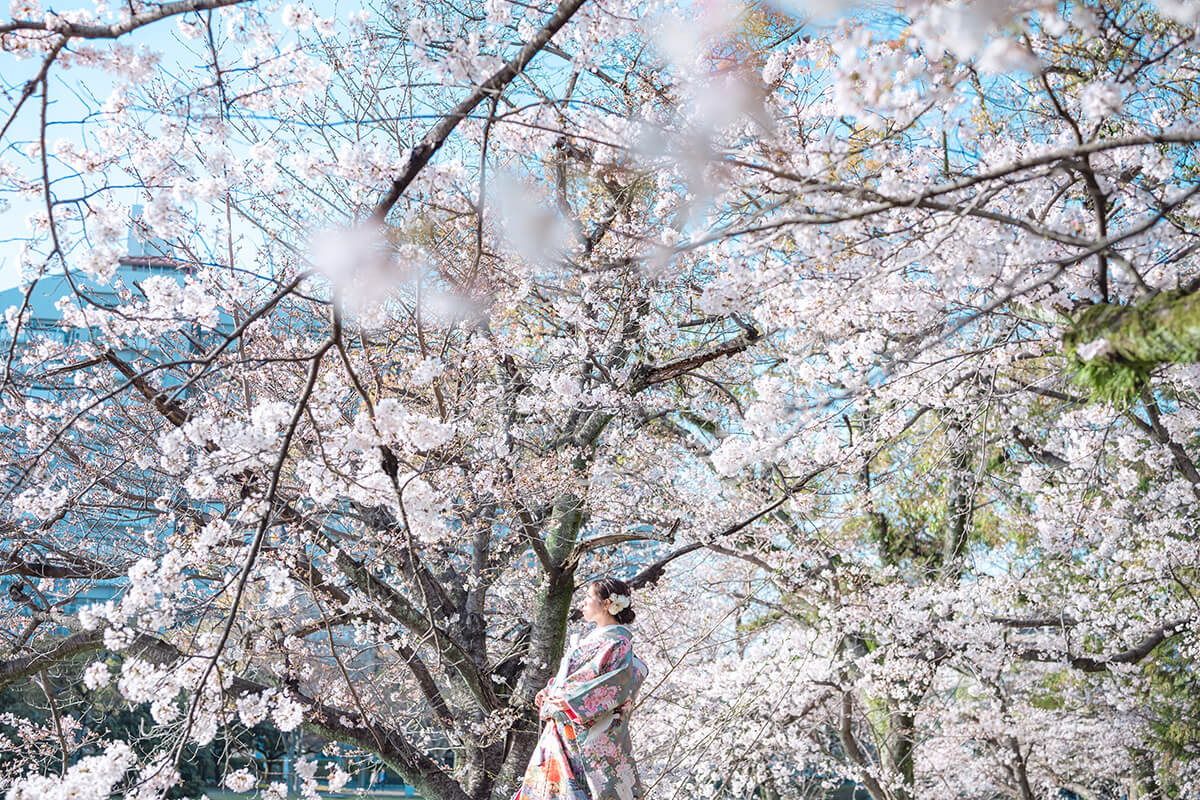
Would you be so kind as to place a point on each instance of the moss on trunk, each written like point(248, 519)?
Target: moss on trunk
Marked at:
point(1115, 348)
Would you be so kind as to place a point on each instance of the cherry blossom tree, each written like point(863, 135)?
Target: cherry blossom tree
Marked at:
point(350, 452)
point(865, 346)
point(974, 229)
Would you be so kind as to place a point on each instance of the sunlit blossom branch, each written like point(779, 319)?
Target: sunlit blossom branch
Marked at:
point(80, 30)
point(132, 379)
point(1187, 137)
point(651, 574)
point(398, 607)
point(1130, 656)
point(1056, 269)
point(235, 335)
point(30, 87)
point(466, 666)
point(420, 155)
point(405, 612)
point(308, 575)
point(1179, 456)
point(341, 665)
point(268, 515)
point(1083, 166)
point(339, 724)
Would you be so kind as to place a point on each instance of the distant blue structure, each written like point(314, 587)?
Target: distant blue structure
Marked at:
point(42, 319)
point(146, 256)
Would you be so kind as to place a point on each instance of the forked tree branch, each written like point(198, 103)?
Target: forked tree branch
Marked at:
point(437, 135)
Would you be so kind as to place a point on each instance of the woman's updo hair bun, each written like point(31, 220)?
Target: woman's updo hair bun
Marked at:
point(606, 587)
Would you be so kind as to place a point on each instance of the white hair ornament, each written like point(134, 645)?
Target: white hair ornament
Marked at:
point(618, 603)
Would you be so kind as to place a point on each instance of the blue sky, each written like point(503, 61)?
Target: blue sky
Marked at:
point(74, 92)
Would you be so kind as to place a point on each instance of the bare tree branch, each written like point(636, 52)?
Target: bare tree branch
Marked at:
point(646, 375)
point(76, 30)
point(436, 137)
point(1131, 656)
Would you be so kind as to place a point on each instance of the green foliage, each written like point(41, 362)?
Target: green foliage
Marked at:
point(1049, 693)
point(1136, 340)
point(1114, 382)
point(1176, 701)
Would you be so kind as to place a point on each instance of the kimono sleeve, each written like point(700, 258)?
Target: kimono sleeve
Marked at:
point(599, 685)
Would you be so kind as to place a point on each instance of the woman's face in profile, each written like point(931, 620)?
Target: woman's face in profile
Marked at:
point(591, 606)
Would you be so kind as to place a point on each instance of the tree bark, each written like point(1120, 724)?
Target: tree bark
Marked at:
point(960, 502)
point(1116, 347)
point(1145, 782)
point(548, 638)
point(899, 729)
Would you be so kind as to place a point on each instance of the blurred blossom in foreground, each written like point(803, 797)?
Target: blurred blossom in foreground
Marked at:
point(360, 265)
point(719, 111)
point(817, 11)
point(721, 101)
point(962, 29)
point(530, 223)
point(687, 43)
point(370, 274)
point(1183, 11)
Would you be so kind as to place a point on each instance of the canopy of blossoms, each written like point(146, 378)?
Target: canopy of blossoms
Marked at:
point(862, 341)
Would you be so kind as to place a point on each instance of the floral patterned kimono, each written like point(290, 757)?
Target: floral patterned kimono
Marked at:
point(584, 752)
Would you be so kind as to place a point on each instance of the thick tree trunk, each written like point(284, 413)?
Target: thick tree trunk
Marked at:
point(548, 638)
point(1145, 782)
point(894, 725)
point(898, 746)
point(960, 502)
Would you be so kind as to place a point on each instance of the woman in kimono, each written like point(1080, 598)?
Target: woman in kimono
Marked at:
point(583, 752)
